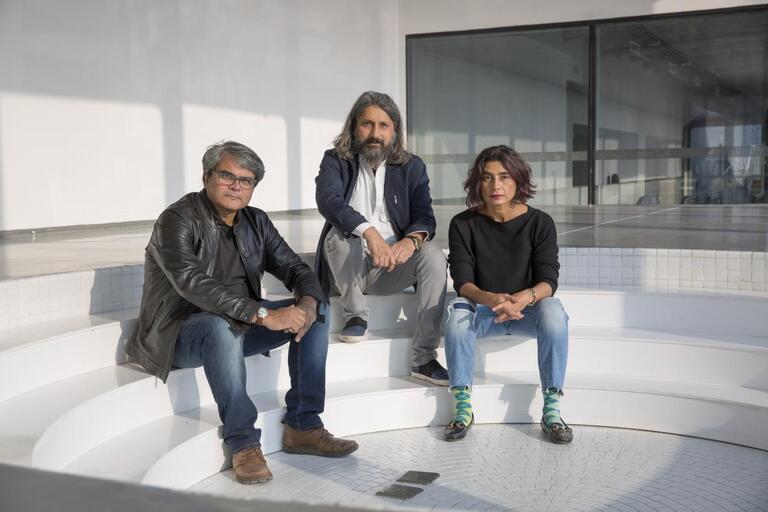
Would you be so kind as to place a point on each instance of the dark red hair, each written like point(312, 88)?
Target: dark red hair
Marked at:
point(517, 168)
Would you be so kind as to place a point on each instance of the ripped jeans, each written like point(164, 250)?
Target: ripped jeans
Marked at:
point(546, 320)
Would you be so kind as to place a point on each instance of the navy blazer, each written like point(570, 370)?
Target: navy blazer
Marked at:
point(406, 195)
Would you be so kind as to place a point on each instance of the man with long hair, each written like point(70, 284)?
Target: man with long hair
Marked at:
point(375, 198)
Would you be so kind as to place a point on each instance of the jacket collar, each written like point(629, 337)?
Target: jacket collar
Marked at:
point(211, 215)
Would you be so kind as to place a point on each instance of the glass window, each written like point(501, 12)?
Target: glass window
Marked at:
point(527, 89)
point(681, 110)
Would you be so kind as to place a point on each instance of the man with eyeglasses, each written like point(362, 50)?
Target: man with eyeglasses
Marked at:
point(202, 306)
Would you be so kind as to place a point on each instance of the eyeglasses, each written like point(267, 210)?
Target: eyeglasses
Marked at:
point(228, 179)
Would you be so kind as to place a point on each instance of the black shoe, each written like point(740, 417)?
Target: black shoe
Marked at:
point(558, 433)
point(354, 331)
point(457, 430)
point(431, 372)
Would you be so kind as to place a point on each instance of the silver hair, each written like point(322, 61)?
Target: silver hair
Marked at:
point(243, 155)
point(346, 146)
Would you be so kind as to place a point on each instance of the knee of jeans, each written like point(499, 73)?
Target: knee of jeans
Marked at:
point(552, 313)
point(222, 337)
point(460, 309)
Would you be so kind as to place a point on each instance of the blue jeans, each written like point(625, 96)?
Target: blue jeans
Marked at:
point(208, 340)
point(546, 320)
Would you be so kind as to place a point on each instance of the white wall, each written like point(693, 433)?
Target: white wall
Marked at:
point(109, 104)
point(106, 106)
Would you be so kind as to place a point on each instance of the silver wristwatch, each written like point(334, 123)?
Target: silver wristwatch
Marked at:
point(261, 314)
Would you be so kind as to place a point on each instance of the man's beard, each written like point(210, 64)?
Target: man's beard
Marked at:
point(373, 155)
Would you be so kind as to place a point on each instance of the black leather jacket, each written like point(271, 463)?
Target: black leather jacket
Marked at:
point(178, 268)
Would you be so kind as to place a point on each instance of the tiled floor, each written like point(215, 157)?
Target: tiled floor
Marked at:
point(723, 228)
point(510, 467)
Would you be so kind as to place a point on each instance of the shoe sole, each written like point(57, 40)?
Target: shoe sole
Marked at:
point(309, 451)
point(251, 481)
point(436, 382)
point(352, 339)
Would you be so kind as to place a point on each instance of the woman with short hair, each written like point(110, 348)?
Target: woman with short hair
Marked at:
point(503, 261)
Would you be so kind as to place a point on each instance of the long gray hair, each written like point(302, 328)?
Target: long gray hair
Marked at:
point(344, 143)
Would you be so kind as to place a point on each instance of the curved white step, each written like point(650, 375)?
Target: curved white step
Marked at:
point(648, 355)
point(129, 455)
point(26, 416)
point(371, 405)
point(146, 400)
point(39, 355)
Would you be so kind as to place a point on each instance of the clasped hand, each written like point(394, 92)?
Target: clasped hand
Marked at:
point(296, 319)
point(385, 255)
point(509, 307)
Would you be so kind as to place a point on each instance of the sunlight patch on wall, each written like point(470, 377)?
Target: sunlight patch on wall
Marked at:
point(265, 134)
point(70, 161)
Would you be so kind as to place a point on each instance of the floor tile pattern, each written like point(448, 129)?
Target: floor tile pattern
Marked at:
point(511, 467)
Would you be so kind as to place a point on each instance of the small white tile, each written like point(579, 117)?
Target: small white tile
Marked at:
point(758, 262)
point(721, 269)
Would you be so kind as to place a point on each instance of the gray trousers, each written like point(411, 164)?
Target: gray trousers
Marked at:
point(355, 276)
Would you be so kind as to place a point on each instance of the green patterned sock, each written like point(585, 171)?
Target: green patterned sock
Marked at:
point(552, 406)
point(463, 405)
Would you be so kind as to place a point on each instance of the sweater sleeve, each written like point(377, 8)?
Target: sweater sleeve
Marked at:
point(460, 257)
point(544, 262)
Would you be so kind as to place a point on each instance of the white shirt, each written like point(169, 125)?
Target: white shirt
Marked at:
point(368, 200)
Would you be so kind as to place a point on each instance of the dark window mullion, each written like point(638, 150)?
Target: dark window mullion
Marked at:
point(591, 115)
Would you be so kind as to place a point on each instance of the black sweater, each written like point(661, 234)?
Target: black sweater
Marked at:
point(503, 257)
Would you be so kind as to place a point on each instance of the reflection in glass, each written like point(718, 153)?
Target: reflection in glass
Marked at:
point(527, 89)
point(681, 110)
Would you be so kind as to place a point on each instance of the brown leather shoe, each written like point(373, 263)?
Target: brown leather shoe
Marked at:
point(250, 466)
point(317, 441)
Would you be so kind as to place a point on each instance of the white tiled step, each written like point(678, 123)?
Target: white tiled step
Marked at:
point(644, 355)
point(38, 355)
point(128, 456)
point(61, 349)
point(143, 401)
point(370, 405)
point(26, 416)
